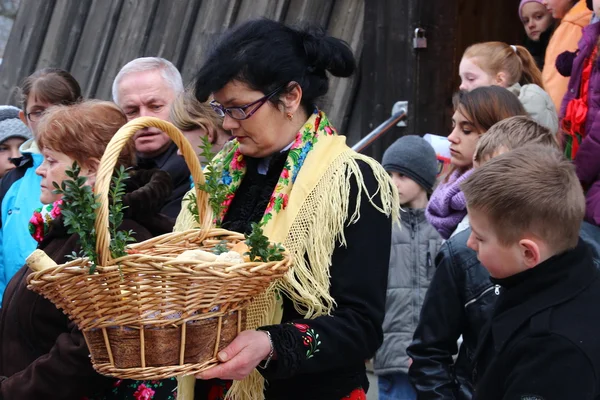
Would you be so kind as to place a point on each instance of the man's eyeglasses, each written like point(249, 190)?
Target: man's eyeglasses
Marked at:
point(239, 113)
point(35, 116)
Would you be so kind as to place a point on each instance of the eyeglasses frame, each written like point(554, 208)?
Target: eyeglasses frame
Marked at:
point(219, 109)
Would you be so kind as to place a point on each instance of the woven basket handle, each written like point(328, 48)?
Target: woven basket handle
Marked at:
point(109, 161)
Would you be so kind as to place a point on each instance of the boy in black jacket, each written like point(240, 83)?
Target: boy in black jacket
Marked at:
point(461, 297)
point(526, 208)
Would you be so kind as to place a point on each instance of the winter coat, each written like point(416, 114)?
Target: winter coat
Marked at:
point(566, 36)
point(414, 245)
point(587, 159)
point(538, 105)
point(175, 165)
point(19, 197)
point(43, 355)
point(459, 301)
point(542, 342)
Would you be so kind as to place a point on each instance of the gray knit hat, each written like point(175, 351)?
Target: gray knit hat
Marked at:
point(412, 156)
point(11, 125)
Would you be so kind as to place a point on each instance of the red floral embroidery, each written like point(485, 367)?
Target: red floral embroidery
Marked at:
point(39, 223)
point(233, 164)
point(310, 339)
point(301, 327)
point(143, 393)
point(358, 394)
point(238, 161)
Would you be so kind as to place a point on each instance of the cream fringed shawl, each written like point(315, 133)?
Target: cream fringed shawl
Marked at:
point(310, 227)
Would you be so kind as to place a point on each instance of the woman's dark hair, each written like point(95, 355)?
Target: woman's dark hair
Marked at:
point(485, 106)
point(266, 54)
point(50, 85)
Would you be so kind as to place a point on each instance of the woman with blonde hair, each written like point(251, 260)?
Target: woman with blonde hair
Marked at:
point(195, 120)
point(511, 67)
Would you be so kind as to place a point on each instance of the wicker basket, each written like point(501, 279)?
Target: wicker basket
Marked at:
point(147, 315)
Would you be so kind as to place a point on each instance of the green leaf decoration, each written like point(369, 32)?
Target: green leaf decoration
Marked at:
point(216, 189)
point(79, 214)
point(260, 247)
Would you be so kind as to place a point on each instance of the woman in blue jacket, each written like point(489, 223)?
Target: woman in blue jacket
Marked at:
point(20, 188)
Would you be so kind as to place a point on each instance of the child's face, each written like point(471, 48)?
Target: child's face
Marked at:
point(501, 261)
point(34, 111)
point(472, 76)
point(411, 194)
point(9, 149)
point(559, 8)
point(463, 141)
point(536, 19)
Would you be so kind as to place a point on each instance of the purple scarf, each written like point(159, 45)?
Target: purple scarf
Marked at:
point(447, 205)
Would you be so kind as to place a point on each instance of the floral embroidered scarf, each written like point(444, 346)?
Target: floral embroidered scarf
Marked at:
point(39, 224)
point(233, 165)
point(308, 213)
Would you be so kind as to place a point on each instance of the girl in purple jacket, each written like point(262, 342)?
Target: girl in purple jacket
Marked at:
point(474, 113)
point(579, 113)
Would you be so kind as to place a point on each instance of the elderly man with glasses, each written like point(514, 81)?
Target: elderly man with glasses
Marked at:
point(147, 87)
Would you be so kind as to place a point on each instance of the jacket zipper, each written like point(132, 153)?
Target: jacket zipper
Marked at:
point(495, 288)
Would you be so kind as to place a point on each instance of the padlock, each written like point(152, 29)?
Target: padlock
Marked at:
point(419, 39)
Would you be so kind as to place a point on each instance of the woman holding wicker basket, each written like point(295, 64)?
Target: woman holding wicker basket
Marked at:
point(331, 208)
point(43, 355)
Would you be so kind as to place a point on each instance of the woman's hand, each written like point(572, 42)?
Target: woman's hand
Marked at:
point(240, 358)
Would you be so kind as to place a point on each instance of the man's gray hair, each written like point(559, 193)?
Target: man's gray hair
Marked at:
point(167, 70)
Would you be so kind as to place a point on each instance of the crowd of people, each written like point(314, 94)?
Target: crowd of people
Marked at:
point(498, 303)
point(478, 284)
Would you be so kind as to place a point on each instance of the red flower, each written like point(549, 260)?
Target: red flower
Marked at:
point(298, 142)
point(36, 218)
point(38, 235)
point(143, 393)
point(226, 203)
point(307, 340)
point(302, 327)
point(270, 205)
point(285, 174)
point(56, 209)
point(317, 122)
point(238, 161)
point(285, 199)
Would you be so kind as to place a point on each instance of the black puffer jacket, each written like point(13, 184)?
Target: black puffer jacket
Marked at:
point(459, 302)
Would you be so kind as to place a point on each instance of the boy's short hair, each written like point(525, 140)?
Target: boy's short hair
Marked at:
point(513, 133)
point(531, 190)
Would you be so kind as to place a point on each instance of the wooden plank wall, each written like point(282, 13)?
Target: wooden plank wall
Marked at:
point(392, 70)
point(93, 39)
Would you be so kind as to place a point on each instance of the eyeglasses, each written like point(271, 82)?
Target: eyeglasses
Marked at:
point(239, 113)
point(35, 116)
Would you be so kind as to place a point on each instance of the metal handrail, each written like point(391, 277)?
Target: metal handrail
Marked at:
point(380, 130)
